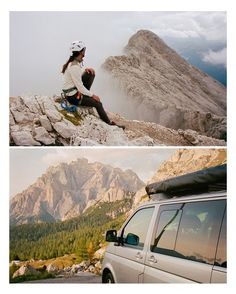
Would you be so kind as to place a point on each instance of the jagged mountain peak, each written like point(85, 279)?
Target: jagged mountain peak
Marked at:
point(165, 89)
point(68, 189)
point(144, 40)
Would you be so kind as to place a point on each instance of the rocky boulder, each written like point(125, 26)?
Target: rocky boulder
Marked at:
point(40, 121)
point(25, 270)
point(52, 268)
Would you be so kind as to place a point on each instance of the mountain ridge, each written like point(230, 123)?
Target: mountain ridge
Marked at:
point(67, 190)
point(166, 89)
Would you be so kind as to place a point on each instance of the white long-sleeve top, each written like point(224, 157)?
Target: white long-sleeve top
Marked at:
point(73, 78)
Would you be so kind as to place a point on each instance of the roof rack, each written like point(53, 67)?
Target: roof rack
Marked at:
point(206, 180)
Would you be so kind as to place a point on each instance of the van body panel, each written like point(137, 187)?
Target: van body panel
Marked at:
point(108, 258)
point(175, 270)
point(126, 266)
point(219, 275)
point(153, 275)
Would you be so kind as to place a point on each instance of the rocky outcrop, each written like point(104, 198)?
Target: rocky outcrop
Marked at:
point(93, 266)
point(52, 268)
point(166, 89)
point(67, 190)
point(182, 162)
point(40, 121)
point(60, 269)
point(86, 266)
point(155, 134)
point(189, 160)
point(25, 270)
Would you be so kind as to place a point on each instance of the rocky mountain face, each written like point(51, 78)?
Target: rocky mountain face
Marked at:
point(189, 160)
point(184, 161)
point(67, 190)
point(40, 121)
point(166, 89)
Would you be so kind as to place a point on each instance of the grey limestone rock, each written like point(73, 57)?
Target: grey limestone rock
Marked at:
point(25, 270)
point(45, 122)
point(43, 136)
point(65, 129)
point(24, 138)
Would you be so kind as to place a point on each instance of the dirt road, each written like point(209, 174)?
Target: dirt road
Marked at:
point(80, 278)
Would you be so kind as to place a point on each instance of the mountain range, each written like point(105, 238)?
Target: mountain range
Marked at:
point(68, 189)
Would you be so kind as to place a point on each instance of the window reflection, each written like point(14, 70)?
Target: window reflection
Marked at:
point(167, 230)
point(137, 227)
point(221, 255)
point(192, 235)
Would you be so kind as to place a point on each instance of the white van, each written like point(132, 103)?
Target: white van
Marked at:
point(178, 239)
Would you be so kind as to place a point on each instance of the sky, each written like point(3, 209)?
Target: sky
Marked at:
point(27, 164)
point(40, 41)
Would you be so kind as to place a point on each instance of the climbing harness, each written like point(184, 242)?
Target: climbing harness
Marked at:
point(65, 104)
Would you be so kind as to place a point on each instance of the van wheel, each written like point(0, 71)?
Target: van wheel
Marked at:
point(108, 278)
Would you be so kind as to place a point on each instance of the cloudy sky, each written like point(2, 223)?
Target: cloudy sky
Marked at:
point(40, 40)
point(27, 164)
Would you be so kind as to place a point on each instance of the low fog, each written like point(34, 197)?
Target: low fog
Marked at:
point(40, 41)
point(116, 100)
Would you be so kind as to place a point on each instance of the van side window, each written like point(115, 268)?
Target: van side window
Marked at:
point(134, 233)
point(166, 232)
point(221, 255)
point(190, 232)
point(199, 230)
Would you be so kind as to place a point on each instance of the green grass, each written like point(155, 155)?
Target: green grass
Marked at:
point(144, 198)
point(40, 276)
point(73, 117)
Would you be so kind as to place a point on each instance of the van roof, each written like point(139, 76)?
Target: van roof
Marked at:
point(202, 196)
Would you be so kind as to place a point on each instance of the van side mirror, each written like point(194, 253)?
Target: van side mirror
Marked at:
point(111, 236)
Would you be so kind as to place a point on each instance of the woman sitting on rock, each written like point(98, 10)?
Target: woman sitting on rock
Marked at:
point(77, 84)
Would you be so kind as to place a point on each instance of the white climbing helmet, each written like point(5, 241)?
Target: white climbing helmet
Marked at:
point(77, 46)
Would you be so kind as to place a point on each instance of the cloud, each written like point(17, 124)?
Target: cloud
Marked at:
point(216, 57)
point(56, 30)
point(143, 161)
point(208, 25)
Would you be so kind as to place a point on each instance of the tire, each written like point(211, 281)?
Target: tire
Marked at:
point(108, 278)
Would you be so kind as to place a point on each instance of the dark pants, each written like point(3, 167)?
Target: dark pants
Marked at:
point(87, 79)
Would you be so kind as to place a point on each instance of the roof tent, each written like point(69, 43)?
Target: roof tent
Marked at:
point(210, 179)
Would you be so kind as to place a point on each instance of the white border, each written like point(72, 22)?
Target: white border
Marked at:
point(122, 5)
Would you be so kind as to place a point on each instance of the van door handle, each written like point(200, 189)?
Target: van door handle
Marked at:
point(139, 255)
point(152, 259)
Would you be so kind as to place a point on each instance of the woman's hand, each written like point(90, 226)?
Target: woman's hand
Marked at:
point(95, 97)
point(90, 70)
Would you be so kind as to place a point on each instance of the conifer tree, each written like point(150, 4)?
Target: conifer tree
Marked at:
point(90, 250)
